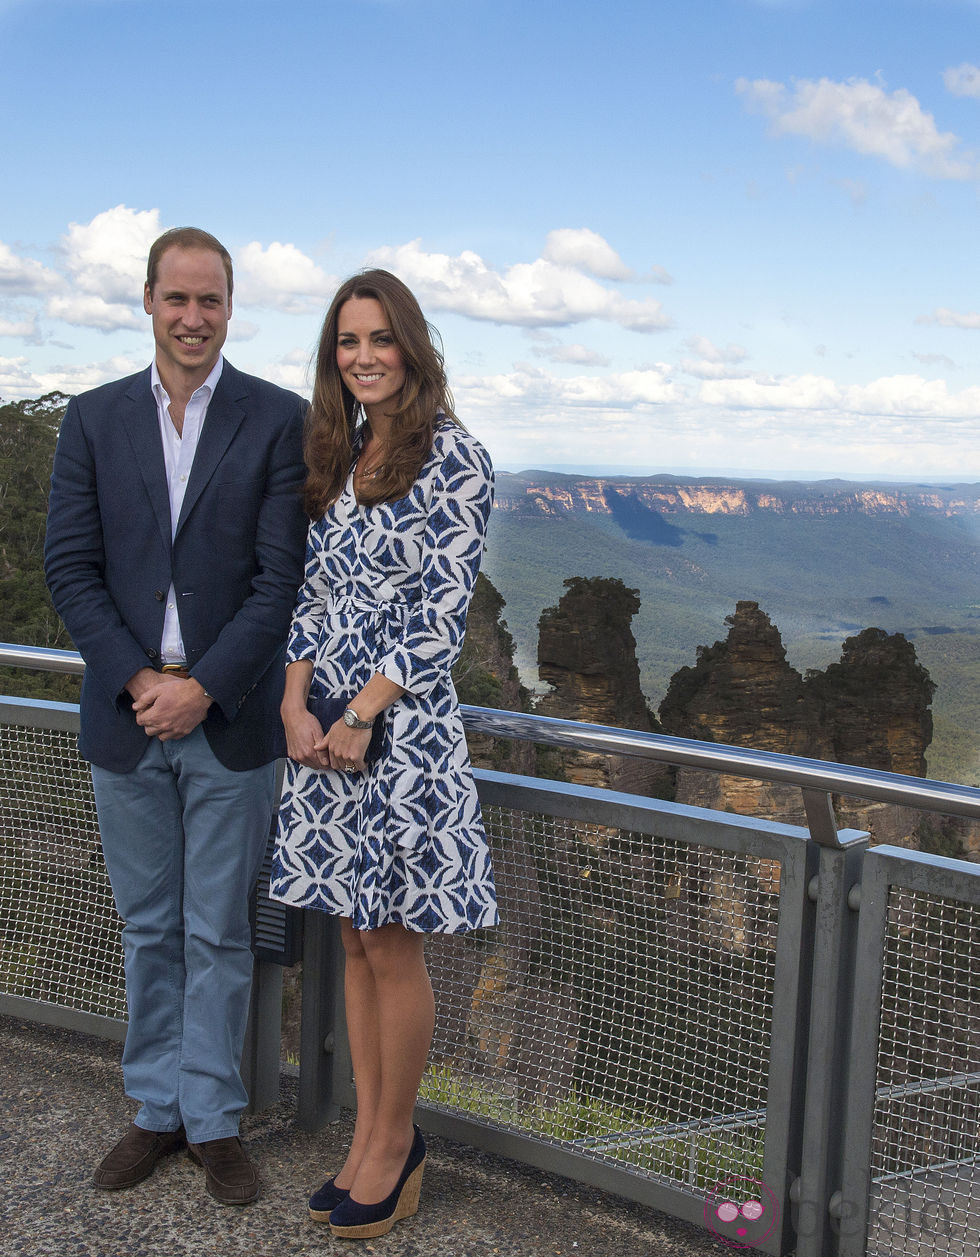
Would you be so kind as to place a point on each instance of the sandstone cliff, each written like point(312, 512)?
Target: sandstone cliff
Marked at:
point(549, 493)
point(587, 655)
point(876, 703)
point(742, 691)
point(871, 709)
point(485, 676)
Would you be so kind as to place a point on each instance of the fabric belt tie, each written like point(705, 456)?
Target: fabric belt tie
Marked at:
point(351, 603)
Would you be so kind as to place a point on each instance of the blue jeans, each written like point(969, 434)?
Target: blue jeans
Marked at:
point(183, 838)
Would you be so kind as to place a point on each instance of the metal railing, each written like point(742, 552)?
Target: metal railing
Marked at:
point(769, 1030)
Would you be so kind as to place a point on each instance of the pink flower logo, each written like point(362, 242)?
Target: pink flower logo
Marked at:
point(741, 1212)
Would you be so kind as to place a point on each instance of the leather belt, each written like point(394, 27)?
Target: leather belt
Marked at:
point(178, 670)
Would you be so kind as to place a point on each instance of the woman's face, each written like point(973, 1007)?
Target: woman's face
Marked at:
point(369, 360)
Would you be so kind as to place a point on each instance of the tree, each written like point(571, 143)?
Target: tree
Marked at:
point(28, 435)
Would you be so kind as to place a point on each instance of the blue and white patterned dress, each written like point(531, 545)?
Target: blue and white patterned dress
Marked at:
point(386, 590)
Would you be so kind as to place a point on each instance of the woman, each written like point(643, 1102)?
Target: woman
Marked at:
point(399, 494)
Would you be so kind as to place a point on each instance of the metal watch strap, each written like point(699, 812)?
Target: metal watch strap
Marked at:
point(357, 722)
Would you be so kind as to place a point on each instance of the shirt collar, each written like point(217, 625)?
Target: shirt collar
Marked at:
point(211, 383)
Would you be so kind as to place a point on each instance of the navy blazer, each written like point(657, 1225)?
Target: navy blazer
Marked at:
point(235, 561)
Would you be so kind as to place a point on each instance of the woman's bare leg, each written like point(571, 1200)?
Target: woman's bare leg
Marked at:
point(361, 1004)
point(400, 1032)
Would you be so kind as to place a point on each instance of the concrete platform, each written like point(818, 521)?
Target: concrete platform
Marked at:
point(64, 1107)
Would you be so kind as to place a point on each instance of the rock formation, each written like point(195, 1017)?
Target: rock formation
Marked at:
point(871, 709)
point(876, 703)
point(587, 655)
point(485, 676)
point(742, 691)
point(528, 1010)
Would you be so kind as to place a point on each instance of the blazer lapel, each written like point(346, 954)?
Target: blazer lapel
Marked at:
point(226, 410)
point(143, 431)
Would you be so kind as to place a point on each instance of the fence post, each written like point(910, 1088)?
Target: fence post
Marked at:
point(324, 1056)
point(861, 1097)
point(834, 949)
point(263, 1035)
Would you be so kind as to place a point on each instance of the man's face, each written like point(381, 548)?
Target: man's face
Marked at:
point(190, 308)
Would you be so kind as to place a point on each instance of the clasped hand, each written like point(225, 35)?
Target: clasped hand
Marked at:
point(337, 749)
point(171, 707)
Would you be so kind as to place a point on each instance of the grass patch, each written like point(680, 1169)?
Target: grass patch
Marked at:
point(698, 1158)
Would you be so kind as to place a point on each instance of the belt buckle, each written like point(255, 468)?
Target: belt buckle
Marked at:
point(174, 667)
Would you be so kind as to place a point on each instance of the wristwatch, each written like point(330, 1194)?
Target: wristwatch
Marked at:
point(353, 721)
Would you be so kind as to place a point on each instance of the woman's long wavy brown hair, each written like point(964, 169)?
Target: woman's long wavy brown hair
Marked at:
point(331, 426)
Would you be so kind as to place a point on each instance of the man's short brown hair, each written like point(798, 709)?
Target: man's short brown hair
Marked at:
point(186, 238)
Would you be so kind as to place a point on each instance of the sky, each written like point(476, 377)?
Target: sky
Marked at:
point(733, 236)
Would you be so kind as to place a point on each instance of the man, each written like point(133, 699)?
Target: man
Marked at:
point(174, 551)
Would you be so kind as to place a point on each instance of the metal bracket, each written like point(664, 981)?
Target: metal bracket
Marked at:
point(820, 818)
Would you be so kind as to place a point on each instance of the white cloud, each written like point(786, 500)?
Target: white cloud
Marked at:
point(703, 369)
point(950, 318)
point(25, 330)
point(914, 396)
point(584, 250)
point(550, 347)
point(106, 264)
point(283, 277)
point(107, 256)
point(803, 392)
point(533, 386)
point(893, 422)
point(711, 352)
point(528, 294)
point(962, 80)
point(579, 355)
point(936, 360)
point(910, 396)
point(292, 370)
point(862, 116)
point(713, 362)
point(23, 276)
point(240, 330)
point(18, 380)
point(657, 275)
point(88, 310)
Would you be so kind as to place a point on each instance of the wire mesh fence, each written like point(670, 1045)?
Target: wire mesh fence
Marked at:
point(59, 931)
point(925, 1152)
point(623, 1007)
point(624, 1011)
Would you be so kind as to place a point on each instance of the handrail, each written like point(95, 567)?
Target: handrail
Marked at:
point(809, 774)
point(42, 658)
point(823, 1122)
point(945, 797)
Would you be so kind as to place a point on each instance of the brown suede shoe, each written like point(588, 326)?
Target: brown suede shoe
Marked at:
point(231, 1177)
point(135, 1155)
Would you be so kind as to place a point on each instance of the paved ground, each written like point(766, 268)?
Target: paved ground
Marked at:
point(63, 1107)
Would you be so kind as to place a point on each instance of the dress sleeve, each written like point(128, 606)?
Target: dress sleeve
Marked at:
point(452, 550)
point(311, 601)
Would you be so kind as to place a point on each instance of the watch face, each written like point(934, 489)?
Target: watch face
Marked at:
point(350, 720)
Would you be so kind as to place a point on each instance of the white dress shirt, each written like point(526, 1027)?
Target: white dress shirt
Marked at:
point(178, 455)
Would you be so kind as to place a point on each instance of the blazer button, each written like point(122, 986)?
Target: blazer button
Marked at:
point(159, 595)
point(153, 654)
